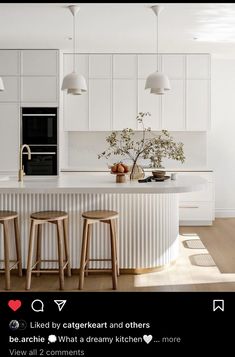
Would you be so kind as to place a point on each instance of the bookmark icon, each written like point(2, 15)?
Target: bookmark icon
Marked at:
point(60, 304)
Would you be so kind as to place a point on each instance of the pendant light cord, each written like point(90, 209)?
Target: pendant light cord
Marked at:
point(74, 43)
point(157, 44)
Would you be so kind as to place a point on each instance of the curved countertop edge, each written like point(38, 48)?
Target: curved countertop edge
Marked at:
point(102, 184)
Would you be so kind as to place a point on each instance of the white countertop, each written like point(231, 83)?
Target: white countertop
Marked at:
point(98, 182)
point(147, 169)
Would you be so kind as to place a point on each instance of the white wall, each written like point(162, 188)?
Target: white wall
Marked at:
point(83, 156)
point(221, 138)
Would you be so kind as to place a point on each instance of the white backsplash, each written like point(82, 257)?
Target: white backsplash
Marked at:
point(83, 148)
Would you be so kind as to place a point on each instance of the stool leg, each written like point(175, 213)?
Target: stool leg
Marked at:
point(39, 249)
point(88, 247)
point(66, 246)
point(83, 254)
point(18, 247)
point(113, 254)
point(115, 241)
point(60, 253)
point(6, 255)
point(30, 254)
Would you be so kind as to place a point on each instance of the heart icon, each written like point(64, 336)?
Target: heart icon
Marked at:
point(14, 304)
point(147, 338)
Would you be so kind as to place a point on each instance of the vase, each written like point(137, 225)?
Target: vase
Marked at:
point(136, 173)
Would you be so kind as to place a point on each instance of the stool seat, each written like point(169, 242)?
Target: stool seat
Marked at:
point(4, 215)
point(49, 215)
point(101, 214)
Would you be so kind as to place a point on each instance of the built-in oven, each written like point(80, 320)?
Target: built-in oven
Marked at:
point(43, 160)
point(39, 131)
point(39, 126)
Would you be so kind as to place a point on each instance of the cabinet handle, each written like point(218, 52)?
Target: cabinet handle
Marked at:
point(40, 153)
point(188, 206)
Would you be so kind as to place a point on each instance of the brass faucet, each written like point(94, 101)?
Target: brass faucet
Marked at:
point(21, 170)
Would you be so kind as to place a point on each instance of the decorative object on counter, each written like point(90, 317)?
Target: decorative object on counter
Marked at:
point(158, 174)
point(2, 88)
point(154, 179)
point(73, 82)
point(149, 146)
point(157, 82)
point(173, 176)
point(120, 170)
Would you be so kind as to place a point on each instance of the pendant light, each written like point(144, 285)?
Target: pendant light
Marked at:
point(74, 83)
point(157, 82)
point(1, 85)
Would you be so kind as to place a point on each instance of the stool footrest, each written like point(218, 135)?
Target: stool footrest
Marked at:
point(16, 262)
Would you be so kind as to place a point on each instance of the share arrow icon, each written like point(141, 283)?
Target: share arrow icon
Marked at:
point(60, 304)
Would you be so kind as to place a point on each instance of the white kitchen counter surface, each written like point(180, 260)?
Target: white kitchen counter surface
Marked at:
point(147, 169)
point(98, 182)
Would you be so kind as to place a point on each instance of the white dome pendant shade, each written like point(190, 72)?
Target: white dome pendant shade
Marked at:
point(157, 82)
point(73, 82)
point(2, 88)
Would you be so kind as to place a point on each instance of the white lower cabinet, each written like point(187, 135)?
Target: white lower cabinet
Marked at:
point(198, 208)
point(9, 143)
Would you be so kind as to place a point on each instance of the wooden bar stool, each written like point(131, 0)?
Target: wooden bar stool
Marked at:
point(7, 217)
point(59, 218)
point(91, 217)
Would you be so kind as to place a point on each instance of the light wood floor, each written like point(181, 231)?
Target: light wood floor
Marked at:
point(217, 272)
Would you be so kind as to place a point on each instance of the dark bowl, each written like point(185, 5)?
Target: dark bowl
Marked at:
point(158, 173)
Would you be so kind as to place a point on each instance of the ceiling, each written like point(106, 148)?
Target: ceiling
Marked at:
point(119, 27)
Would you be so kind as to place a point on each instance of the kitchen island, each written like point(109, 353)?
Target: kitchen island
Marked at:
point(148, 226)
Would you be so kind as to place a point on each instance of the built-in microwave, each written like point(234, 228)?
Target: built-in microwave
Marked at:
point(39, 126)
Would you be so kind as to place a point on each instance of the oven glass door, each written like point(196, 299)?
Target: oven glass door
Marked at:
point(43, 161)
point(39, 129)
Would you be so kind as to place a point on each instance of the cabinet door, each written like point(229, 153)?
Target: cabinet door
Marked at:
point(9, 62)
point(147, 64)
point(198, 66)
point(76, 112)
point(100, 104)
point(39, 89)
point(39, 62)
point(100, 66)
point(198, 105)
point(149, 103)
point(81, 62)
point(124, 66)
point(174, 66)
point(11, 92)
point(173, 104)
point(9, 136)
point(124, 104)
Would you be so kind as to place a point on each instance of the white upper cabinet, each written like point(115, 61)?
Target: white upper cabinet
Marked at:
point(125, 66)
point(100, 104)
point(81, 64)
point(149, 103)
point(147, 64)
point(11, 91)
point(76, 107)
point(100, 66)
point(39, 62)
point(9, 63)
point(39, 89)
point(124, 104)
point(198, 66)
point(117, 92)
point(173, 107)
point(197, 105)
point(9, 136)
point(174, 66)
